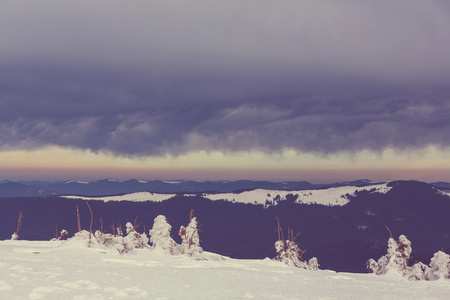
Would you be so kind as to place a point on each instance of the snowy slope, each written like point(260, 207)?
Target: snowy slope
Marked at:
point(330, 196)
point(53, 270)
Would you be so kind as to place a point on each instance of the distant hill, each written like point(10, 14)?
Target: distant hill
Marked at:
point(113, 187)
point(441, 184)
point(341, 236)
point(16, 189)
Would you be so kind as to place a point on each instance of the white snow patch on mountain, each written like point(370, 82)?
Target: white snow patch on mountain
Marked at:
point(59, 270)
point(442, 192)
point(330, 196)
point(136, 197)
point(172, 181)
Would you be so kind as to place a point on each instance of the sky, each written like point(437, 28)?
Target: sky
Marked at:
point(209, 90)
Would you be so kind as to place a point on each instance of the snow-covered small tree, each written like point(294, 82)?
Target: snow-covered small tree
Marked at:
point(396, 259)
point(160, 236)
point(190, 239)
point(439, 267)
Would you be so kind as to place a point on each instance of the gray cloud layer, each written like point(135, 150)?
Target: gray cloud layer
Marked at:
point(152, 78)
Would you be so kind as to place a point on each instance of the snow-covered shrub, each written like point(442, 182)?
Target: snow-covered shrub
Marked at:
point(439, 267)
point(84, 237)
point(313, 264)
point(106, 239)
point(14, 237)
point(160, 236)
point(396, 259)
point(63, 233)
point(190, 237)
point(122, 244)
point(135, 239)
point(418, 271)
point(289, 253)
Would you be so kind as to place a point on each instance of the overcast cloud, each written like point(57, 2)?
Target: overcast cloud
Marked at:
point(168, 77)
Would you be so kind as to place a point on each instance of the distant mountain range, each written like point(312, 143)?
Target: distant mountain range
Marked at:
point(342, 226)
point(103, 187)
point(23, 188)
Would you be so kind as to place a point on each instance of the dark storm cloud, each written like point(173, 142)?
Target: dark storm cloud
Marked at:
point(158, 78)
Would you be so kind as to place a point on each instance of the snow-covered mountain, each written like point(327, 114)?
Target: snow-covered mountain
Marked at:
point(330, 196)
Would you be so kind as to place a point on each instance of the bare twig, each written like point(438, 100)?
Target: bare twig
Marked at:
point(390, 233)
point(113, 228)
point(280, 231)
point(136, 226)
point(19, 222)
point(92, 220)
point(101, 224)
point(78, 220)
point(191, 215)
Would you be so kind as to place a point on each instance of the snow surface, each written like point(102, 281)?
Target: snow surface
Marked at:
point(62, 270)
point(331, 196)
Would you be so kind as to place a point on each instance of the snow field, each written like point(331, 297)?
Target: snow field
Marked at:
point(61, 270)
